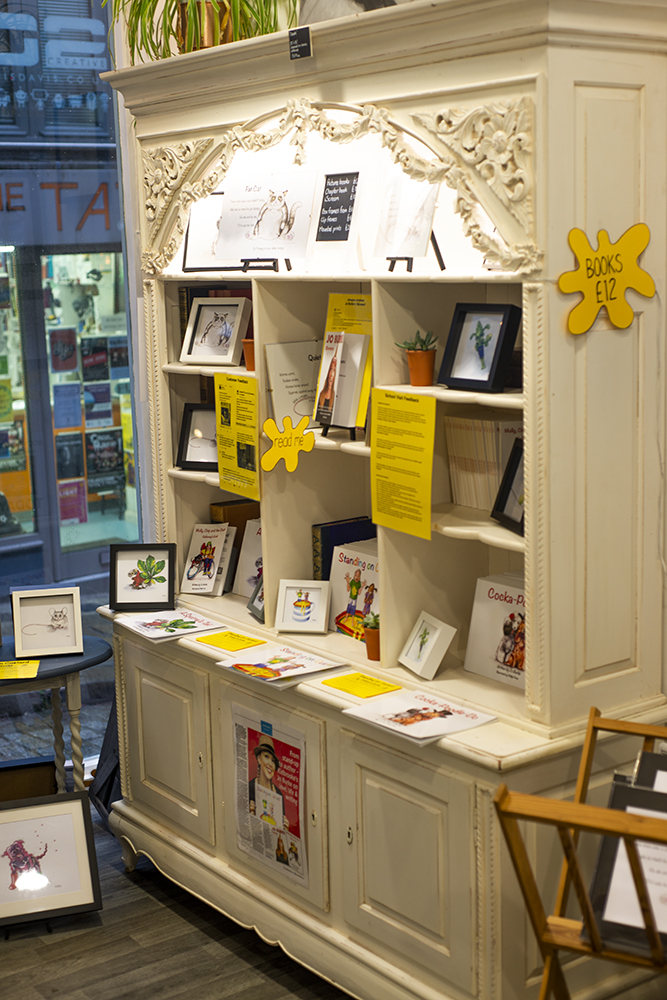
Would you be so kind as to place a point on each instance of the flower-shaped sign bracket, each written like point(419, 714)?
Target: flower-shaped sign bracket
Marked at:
point(286, 444)
point(604, 275)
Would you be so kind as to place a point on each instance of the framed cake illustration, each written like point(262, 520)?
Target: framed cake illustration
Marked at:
point(303, 606)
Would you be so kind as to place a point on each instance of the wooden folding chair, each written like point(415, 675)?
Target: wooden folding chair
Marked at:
point(557, 932)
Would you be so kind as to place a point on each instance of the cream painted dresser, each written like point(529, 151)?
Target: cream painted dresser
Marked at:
point(537, 116)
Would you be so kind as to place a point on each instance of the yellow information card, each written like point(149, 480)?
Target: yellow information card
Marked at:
point(236, 423)
point(402, 441)
point(18, 670)
point(361, 685)
point(230, 641)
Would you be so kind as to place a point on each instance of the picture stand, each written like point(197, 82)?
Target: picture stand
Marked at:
point(49, 928)
point(328, 427)
point(555, 932)
point(408, 262)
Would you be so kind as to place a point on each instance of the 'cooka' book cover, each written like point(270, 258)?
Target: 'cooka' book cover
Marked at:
point(354, 586)
point(497, 640)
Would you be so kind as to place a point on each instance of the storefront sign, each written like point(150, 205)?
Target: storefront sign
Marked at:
point(604, 275)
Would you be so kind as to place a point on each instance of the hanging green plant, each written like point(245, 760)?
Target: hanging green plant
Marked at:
point(155, 28)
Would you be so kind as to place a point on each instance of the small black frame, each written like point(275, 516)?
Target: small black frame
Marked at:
point(61, 825)
point(467, 364)
point(508, 509)
point(157, 596)
point(186, 458)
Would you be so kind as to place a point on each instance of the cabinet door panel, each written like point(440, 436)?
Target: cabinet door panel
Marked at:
point(169, 739)
point(408, 865)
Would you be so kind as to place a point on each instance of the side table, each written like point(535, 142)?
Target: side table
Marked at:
point(56, 672)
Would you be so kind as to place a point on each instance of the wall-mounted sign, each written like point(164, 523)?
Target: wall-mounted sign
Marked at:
point(604, 275)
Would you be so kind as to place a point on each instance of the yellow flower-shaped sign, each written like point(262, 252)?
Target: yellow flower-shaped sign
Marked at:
point(286, 443)
point(604, 275)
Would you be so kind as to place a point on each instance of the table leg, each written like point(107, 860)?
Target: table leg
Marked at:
point(73, 690)
point(58, 742)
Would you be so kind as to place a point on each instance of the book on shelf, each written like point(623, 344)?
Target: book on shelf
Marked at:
point(279, 666)
point(203, 558)
point(224, 577)
point(329, 534)
point(417, 716)
point(341, 378)
point(249, 568)
point(478, 450)
point(354, 587)
point(497, 639)
point(291, 373)
point(162, 625)
point(235, 513)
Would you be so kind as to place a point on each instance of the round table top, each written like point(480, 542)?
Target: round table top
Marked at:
point(94, 651)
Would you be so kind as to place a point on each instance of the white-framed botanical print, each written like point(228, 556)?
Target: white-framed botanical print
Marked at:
point(426, 646)
point(303, 606)
point(47, 622)
point(216, 327)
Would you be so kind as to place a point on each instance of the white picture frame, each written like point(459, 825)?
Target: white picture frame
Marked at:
point(303, 606)
point(426, 646)
point(215, 331)
point(47, 622)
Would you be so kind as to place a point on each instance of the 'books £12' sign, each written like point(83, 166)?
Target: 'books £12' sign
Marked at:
point(604, 275)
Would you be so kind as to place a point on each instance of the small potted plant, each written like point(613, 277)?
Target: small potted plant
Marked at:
point(371, 625)
point(421, 357)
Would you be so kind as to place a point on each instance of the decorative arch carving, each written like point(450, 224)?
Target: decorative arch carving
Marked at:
point(170, 191)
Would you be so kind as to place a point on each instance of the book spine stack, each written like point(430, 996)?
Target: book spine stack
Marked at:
point(478, 450)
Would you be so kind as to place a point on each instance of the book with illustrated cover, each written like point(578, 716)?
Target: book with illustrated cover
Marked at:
point(249, 568)
point(203, 558)
point(162, 625)
point(341, 378)
point(279, 666)
point(329, 534)
point(354, 587)
point(416, 716)
point(497, 639)
point(227, 565)
point(292, 372)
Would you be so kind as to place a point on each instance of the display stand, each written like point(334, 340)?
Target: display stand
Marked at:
point(556, 931)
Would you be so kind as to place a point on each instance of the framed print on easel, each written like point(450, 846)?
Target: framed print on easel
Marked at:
point(479, 347)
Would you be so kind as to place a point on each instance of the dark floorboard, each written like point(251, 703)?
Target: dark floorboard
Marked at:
point(151, 941)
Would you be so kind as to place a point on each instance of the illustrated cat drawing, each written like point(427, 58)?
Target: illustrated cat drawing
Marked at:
point(274, 219)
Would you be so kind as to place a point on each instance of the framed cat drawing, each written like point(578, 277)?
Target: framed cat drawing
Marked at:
point(215, 330)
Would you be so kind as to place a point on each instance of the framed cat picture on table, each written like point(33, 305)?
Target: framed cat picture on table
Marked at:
point(216, 327)
point(47, 622)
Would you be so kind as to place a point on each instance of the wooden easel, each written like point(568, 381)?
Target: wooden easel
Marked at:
point(556, 932)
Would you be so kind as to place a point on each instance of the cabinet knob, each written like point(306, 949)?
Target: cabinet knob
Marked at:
point(350, 835)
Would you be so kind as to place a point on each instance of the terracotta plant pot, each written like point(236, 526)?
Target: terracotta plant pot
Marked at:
point(372, 637)
point(422, 366)
point(249, 354)
point(215, 28)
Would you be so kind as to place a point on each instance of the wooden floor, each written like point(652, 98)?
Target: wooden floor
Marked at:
point(151, 941)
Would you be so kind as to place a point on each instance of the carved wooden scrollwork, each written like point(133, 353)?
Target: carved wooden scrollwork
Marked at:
point(170, 192)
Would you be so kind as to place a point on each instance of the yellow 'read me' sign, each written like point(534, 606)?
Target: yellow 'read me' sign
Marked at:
point(604, 275)
point(286, 444)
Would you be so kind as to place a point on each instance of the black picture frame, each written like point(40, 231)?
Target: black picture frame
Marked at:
point(626, 937)
point(122, 595)
point(256, 603)
point(508, 508)
point(60, 824)
point(187, 450)
point(470, 366)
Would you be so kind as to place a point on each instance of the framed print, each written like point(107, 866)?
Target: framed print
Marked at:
point(256, 603)
point(142, 577)
point(303, 606)
point(48, 866)
point(479, 347)
point(215, 330)
point(426, 646)
point(508, 508)
point(47, 622)
point(198, 444)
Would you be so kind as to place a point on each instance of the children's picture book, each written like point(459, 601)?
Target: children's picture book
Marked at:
point(327, 535)
point(249, 568)
point(419, 717)
point(161, 625)
point(292, 370)
point(224, 576)
point(354, 587)
point(497, 639)
point(203, 558)
point(279, 666)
